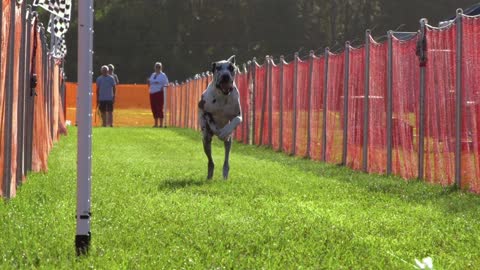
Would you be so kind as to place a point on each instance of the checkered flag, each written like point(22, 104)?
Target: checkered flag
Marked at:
point(58, 25)
point(61, 8)
point(60, 47)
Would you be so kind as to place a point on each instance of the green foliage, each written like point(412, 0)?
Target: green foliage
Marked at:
point(153, 209)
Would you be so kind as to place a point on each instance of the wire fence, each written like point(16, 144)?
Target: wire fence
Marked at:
point(408, 106)
point(31, 96)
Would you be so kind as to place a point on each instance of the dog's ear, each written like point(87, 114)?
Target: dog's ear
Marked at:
point(214, 65)
point(232, 59)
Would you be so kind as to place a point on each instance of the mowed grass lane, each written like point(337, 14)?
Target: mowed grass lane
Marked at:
point(152, 209)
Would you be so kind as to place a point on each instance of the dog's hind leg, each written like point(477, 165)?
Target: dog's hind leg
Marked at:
point(226, 163)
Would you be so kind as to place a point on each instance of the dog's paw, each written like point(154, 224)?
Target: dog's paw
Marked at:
point(226, 170)
point(211, 168)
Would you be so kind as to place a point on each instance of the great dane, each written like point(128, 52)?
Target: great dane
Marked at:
point(220, 112)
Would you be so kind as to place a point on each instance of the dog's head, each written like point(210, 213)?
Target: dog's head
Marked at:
point(224, 74)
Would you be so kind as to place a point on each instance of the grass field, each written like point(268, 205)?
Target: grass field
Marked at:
point(153, 209)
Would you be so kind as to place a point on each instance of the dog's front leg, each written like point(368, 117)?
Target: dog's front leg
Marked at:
point(226, 164)
point(207, 148)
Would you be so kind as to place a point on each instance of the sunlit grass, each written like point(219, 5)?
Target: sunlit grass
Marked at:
point(152, 209)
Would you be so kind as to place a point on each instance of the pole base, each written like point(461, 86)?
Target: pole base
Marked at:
point(82, 243)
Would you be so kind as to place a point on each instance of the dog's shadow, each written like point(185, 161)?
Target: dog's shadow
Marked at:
point(175, 184)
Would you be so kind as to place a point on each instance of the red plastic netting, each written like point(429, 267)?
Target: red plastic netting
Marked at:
point(405, 96)
point(440, 106)
point(241, 80)
point(335, 113)
point(302, 108)
point(42, 142)
point(471, 103)
point(287, 112)
point(275, 118)
point(356, 92)
point(377, 125)
point(260, 104)
point(16, 72)
point(316, 108)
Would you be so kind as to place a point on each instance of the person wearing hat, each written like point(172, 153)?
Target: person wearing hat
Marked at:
point(156, 84)
point(106, 96)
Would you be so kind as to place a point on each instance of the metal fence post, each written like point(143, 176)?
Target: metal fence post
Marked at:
point(21, 98)
point(282, 61)
point(421, 135)
point(270, 102)
point(346, 80)
point(459, 101)
point(30, 97)
point(389, 101)
point(7, 172)
point(310, 88)
point(366, 102)
point(324, 114)
point(264, 98)
point(186, 114)
point(254, 85)
point(295, 92)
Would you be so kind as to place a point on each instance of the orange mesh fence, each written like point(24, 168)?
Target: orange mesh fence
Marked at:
point(316, 107)
point(41, 133)
point(241, 80)
point(132, 105)
point(471, 104)
point(335, 111)
point(287, 106)
point(356, 95)
point(302, 104)
point(275, 107)
point(377, 113)
point(405, 119)
point(440, 106)
point(29, 123)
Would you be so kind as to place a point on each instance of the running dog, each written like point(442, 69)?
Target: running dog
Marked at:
point(220, 112)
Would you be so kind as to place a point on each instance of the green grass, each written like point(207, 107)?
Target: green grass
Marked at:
point(152, 209)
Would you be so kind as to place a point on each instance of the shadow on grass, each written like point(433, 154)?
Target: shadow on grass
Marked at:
point(449, 199)
point(175, 184)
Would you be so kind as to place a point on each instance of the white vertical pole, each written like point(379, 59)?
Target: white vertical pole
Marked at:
point(84, 94)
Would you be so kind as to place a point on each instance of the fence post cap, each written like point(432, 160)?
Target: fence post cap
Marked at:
point(459, 11)
point(423, 21)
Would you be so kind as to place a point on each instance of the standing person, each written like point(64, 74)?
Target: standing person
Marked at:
point(111, 72)
point(157, 83)
point(106, 96)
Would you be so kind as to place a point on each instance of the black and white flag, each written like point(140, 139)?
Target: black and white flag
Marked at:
point(59, 47)
point(57, 26)
point(61, 8)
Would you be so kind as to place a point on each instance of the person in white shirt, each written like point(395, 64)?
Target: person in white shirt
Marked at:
point(157, 83)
